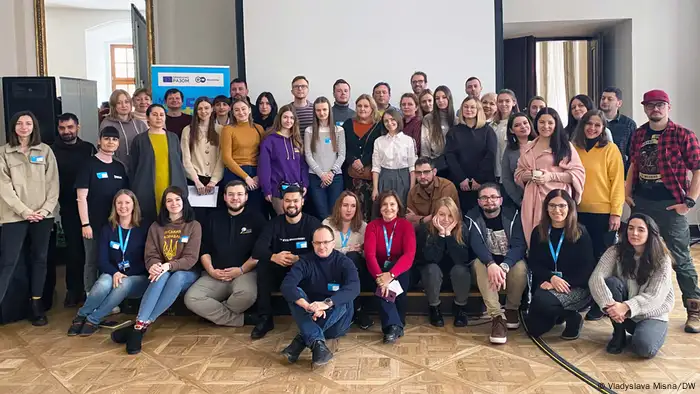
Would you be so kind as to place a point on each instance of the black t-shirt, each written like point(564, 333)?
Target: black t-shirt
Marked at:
point(103, 181)
point(650, 185)
point(495, 237)
point(229, 240)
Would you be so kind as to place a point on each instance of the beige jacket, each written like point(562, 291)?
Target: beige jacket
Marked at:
point(28, 183)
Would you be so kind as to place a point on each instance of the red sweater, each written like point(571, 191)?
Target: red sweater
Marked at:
point(403, 247)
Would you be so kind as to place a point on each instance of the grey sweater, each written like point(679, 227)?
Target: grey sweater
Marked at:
point(652, 300)
point(325, 159)
point(508, 166)
point(127, 132)
point(341, 113)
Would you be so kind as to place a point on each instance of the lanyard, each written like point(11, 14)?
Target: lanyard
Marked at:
point(388, 241)
point(555, 255)
point(122, 243)
point(344, 238)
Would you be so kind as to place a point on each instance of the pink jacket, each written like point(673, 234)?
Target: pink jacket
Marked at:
point(568, 175)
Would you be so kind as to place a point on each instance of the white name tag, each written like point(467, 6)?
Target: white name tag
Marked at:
point(184, 239)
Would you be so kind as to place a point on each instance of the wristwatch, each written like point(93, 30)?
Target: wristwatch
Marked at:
point(328, 302)
point(505, 267)
point(689, 202)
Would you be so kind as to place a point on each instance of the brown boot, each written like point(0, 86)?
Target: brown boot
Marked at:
point(692, 325)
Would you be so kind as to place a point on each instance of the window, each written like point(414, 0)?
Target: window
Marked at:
point(123, 72)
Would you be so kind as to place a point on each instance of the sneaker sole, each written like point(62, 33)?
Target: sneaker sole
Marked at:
point(315, 365)
point(498, 341)
point(580, 327)
point(691, 330)
point(512, 326)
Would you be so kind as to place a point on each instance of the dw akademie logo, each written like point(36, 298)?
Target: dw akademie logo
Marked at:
point(199, 79)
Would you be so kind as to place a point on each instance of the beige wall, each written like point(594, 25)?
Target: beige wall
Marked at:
point(196, 33)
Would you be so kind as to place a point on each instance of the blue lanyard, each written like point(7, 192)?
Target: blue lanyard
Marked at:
point(123, 244)
point(344, 238)
point(388, 241)
point(555, 255)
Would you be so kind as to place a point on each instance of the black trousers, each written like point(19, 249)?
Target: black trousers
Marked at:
point(75, 252)
point(270, 276)
point(12, 240)
point(597, 225)
point(367, 283)
point(545, 309)
point(394, 313)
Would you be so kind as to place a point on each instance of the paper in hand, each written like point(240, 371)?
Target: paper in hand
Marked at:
point(395, 286)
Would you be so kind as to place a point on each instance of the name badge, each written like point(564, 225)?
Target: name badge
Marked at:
point(387, 264)
point(102, 175)
point(117, 177)
point(333, 287)
point(302, 245)
point(36, 159)
point(338, 123)
point(327, 140)
point(185, 239)
point(246, 230)
point(114, 245)
point(124, 265)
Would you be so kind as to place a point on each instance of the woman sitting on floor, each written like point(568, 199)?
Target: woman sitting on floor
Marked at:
point(120, 260)
point(632, 285)
point(561, 260)
point(171, 254)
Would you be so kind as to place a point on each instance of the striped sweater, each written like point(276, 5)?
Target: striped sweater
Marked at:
point(652, 300)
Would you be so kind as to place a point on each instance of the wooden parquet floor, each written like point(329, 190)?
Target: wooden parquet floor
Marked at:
point(184, 355)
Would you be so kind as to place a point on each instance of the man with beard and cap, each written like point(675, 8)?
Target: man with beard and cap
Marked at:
point(71, 154)
point(284, 239)
point(228, 286)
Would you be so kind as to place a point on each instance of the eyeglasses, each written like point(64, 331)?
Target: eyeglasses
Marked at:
point(425, 172)
point(300, 87)
point(562, 207)
point(486, 198)
point(417, 81)
point(323, 243)
point(659, 105)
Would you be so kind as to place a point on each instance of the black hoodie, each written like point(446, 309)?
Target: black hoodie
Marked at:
point(471, 153)
point(70, 159)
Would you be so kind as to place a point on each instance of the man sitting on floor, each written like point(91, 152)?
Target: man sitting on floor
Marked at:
point(320, 290)
point(228, 286)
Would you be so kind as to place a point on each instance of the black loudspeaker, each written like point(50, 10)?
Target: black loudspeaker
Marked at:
point(36, 94)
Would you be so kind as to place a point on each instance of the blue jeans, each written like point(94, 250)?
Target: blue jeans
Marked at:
point(103, 297)
point(163, 292)
point(255, 197)
point(336, 323)
point(324, 198)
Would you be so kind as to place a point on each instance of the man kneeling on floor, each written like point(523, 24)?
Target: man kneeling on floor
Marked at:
point(320, 290)
point(228, 285)
point(496, 237)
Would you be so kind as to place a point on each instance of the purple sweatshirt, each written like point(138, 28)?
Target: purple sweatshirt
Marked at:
point(280, 162)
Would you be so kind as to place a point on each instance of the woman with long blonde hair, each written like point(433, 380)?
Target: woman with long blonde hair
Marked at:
point(122, 118)
point(445, 251)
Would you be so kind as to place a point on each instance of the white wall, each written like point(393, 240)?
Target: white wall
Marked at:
point(662, 45)
point(367, 41)
point(618, 63)
point(17, 45)
point(78, 43)
point(196, 33)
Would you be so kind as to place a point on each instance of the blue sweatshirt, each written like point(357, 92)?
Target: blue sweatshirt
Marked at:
point(316, 276)
point(110, 254)
point(280, 162)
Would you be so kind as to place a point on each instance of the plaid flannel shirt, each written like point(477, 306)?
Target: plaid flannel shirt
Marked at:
point(678, 153)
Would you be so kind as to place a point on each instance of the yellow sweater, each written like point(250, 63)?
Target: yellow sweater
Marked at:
point(240, 146)
point(604, 190)
point(160, 151)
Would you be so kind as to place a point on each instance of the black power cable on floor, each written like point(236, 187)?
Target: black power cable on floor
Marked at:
point(565, 364)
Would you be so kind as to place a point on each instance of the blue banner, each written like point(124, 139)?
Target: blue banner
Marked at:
point(192, 81)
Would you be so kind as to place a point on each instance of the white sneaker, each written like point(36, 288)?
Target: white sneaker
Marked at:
point(116, 310)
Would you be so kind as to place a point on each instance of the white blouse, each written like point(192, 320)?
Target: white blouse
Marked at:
point(394, 153)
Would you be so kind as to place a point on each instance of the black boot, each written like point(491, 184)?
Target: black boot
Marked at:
point(619, 339)
point(76, 326)
point(574, 323)
point(38, 317)
point(594, 313)
point(362, 319)
point(320, 354)
point(392, 333)
point(133, 343)
point(436, 316)
point(121, 335)
point(265, 325)
point(460, 314)
point(294, 349)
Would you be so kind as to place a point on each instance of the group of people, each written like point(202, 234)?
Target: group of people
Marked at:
point(360, 200)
